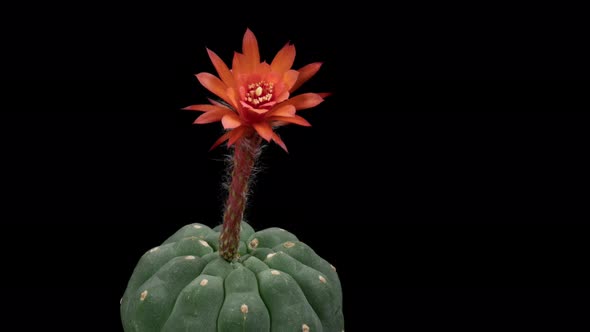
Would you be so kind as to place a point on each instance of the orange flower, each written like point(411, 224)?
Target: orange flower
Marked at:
point(256, 95)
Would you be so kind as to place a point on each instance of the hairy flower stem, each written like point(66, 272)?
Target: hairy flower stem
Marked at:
point(246, 151)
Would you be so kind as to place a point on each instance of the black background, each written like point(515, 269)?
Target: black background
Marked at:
point(445, 178)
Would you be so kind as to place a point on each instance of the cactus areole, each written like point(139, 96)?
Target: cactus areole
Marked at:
point(231, 277)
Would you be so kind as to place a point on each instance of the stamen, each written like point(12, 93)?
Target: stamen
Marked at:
point(259, 93)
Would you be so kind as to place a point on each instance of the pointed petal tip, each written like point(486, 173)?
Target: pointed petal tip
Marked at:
point(283, 60)
point(264, 130)
point(277, 139)
point(216, 107)
point(212, 116)
point(197, 121)
point(220, 140)
point(291, 119)
point(249, 32)
point(305, 73)
point(235, 135)
point(250, 48)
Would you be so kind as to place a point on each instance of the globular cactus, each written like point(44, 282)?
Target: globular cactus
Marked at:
point(277, 284)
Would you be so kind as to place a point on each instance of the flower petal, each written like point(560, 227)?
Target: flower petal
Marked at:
point(220, 140)
point(237, 66)
point(263, 129)
point(291, 119)
point(218, 103)
point(224, 73)
point(290, 77)
point(233, 99)
point(206, 108)
point(284, 59)
point(235, 135)
point(213, 84)
point(305, 73)
point(258, 110)
point(230, 121)
point(262, 69)
point(212, 116)
point(282, 96)
point(304, 101)
point(277, 139)
point(283, 110)
point(250, 49)
point(254, 110)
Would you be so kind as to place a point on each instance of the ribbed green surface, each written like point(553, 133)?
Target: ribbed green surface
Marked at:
point(279, 284)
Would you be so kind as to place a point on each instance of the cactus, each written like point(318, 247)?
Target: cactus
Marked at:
point(231, 278)
point(277, 284)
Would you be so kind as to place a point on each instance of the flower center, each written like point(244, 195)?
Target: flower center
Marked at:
point(259, 93)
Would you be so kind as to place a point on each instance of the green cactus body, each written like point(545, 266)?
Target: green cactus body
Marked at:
point(278, 284)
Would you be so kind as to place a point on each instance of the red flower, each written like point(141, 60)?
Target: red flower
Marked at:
point(256, 95)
